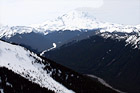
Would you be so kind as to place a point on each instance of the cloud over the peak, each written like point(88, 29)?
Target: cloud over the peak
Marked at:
point(21, 12)
point(25, 12)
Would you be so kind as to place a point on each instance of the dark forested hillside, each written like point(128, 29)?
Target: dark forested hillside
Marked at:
point(75, 81)
point(11, 82)
point(110, 59)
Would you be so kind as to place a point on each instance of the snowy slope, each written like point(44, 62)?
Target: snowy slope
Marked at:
point(10, 31)
point(25, 63)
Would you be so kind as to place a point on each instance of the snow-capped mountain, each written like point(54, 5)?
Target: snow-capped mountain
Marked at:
point(6, 31)
point(72, 21)
point(78, 20)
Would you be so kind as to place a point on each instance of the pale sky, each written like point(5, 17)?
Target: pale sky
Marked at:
point(26, 12)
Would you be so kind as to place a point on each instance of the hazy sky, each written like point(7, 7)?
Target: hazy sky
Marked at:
point(26, 12)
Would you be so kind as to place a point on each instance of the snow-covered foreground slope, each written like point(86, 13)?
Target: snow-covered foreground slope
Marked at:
point(25, 63)
point(41, 74)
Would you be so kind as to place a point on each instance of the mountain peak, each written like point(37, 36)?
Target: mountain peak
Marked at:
point(78, 14)
point(73, 20)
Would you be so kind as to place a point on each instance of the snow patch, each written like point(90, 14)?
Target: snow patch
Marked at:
point(130, 38)
point(54, 46)
point(8, 84)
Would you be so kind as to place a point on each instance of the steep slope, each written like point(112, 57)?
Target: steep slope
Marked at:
point(18, 63)
point(28, 65)
point(105, 55)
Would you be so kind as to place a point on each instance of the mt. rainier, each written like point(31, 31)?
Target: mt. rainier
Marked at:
point(68, 26)
point(74, 20)
point(77, 20)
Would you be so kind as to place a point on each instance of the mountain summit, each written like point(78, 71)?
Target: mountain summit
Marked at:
point(73, 20)
point(77, 20)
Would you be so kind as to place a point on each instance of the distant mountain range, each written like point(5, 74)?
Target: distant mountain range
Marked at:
point(65, 29)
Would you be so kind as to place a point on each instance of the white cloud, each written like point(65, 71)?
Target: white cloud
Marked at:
point(118, 11)
point(24, 12)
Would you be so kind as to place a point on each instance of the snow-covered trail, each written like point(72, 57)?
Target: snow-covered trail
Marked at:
point(54, 46)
